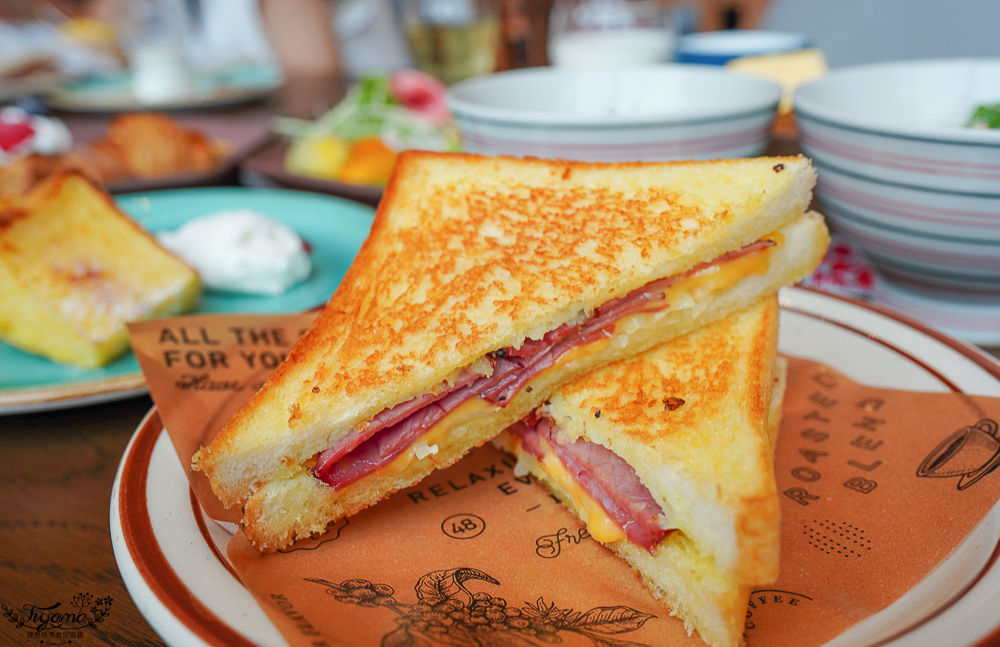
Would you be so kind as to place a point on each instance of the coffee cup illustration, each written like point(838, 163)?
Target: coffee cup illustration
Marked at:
point(971, 453)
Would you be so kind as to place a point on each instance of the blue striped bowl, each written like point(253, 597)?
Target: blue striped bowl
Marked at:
point(616, 114)
point(904, 178)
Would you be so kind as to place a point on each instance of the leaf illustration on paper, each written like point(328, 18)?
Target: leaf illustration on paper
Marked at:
point(611, 620)
point(439, 586)
point(448, 613)
point(456, 635)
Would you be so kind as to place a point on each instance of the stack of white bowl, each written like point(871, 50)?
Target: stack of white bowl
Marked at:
point(904, 177)
point(629, 113)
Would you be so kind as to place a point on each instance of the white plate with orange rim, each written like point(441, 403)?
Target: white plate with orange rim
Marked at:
point(172, 558)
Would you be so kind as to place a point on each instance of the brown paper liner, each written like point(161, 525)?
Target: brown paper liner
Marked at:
point(877, 487)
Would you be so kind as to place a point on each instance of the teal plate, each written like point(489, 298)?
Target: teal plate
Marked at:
point(333, 227)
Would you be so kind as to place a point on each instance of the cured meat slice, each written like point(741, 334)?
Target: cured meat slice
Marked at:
point(610, 481)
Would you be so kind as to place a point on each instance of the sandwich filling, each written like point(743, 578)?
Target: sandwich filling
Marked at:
point(394, 430)
point(605, 490)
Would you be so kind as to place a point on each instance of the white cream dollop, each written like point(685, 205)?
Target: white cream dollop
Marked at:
point(241, 251)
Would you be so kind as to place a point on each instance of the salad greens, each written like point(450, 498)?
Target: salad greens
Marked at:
point(986, 116)
point(370, 109)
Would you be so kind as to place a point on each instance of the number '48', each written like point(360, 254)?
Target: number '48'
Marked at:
point(466, 526)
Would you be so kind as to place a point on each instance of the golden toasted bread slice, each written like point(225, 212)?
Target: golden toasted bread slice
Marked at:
point(74, 269)
point(475, 264)
point(667, 457)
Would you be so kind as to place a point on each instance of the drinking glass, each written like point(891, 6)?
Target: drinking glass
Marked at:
point(603, 33)
point(153, 34)
point(453, 39)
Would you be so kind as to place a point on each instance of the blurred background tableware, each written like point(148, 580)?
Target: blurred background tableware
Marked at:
point(903, 175)
point(653, 112)
point(51, 42)
point(589, 33)
point(232, 139)
point(856, 32)
point(154, 33)
point(125, 152)
point(266, 168)
point(173, 55)
point(720, 47)
point(452, 39)
point(213, 89)
point(24, 73)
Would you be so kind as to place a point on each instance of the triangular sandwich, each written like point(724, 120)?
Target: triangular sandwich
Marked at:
point(667, 457)
point(487, 282)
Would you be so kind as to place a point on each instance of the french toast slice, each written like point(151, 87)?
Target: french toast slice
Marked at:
point(74, 269)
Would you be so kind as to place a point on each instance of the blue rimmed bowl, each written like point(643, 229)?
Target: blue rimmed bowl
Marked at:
point(720, 47)
point(615, 114)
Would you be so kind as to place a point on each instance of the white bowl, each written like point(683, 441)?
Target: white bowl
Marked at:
point(901, 176)
point(642, 113)
point(720, 47)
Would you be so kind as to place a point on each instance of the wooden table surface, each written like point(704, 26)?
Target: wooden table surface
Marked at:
point(56, 473)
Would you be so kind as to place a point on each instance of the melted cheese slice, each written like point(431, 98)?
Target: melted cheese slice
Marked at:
point(439, 435)
point(714, 278)
point(599, 524)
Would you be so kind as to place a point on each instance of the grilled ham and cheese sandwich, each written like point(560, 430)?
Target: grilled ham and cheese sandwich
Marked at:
point(667, 457)
point(485, 283)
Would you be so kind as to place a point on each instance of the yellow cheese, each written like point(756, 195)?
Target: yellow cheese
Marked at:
point(599, 524)
point(440, 434)
point(591, 348)
point(719, 277)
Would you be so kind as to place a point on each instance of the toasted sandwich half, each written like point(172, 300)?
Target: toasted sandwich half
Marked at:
point(667, 457)
point(485, 283)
